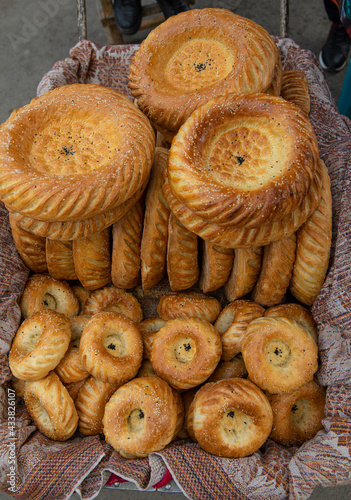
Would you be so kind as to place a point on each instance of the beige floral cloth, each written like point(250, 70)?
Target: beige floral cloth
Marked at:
point(33, 467)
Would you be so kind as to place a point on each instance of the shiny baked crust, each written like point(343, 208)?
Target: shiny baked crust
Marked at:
point(59, 256)
point(276, 271)
point(232, 368)
point(90, 405)
point(297, 417)
point(279, 353)
point(231, 418)
point(313, 248)
point(126, 242)
point(146, 369)
point(142, 416)
point(110, 298)
point(31, 248)
point(298, 313)
point(186, 351)
point(189, 304)
point(51, 407)
point(245, 271)
point(70, 230)
point(44, 292)
point(197, 55)
point(39, 345)
point(234, 162)
point(216, 266)
point(182, 256)
point(70, 369)
point(111, 347)
point(294, 88)
point(92, 259)
point(244, 237)
point(67, 162)
point(155, 230)
point(232, 325)
point(148, 329)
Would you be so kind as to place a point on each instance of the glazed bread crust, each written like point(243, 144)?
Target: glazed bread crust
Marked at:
point(197, 55)
point(64, 162)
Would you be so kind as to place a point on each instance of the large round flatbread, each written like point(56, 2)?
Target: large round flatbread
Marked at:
point(75, 152)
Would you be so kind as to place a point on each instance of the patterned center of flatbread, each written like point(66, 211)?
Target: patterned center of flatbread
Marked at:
point(73, 148)
point(245, 156)
point(235, 426)
point(199, 63)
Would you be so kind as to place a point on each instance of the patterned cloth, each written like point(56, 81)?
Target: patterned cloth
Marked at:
point(50, 470)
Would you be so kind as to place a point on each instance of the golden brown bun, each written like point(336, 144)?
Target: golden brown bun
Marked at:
point(232, 368)
point(59, 256)
point(71, 369)
point(230, 418)
point(90, 405)
point(296, 312)
point(294, 88)
point(44, 292)
point(126, 241)
point(216, 265)
point(297, 417)
point(142, 416)
point(182, 254)
point(280, 355)
point(73, 388)
point(313, 248)
point(245, 237)
point(189, 304)
point(185, 352)
point(39, 345)
point(246, 268)
point(92, 259)
point(110, 298)
point(277, 266)
point(148, 329)
point(70, 150)
point(195, 56)
point(111, 347)
point(232, 325)
point(234, 162)
point(146, 369)
point(51, 407)
point(81, 293)
point(31, 248)
point(155, 230)
point(70, 230)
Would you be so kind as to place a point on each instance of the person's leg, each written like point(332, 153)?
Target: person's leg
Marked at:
point(173, 7)
point(335, 51)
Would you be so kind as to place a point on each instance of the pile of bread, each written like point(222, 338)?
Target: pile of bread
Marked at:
point(212, 178)
point(229, 378)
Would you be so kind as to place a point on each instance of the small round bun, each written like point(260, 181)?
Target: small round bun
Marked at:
point(189, 304)
point(296, 312)
point(229, 369)
point(51, 407)
point(186, 351)
point(280, 355)
point(111, 347)
point(39, 345)
point(44, 292)
point(232, 324)
point(142, 416)
point(90, 404)
point(110, 298)
point(148, 329)
point(297, 417)
point(230, 418)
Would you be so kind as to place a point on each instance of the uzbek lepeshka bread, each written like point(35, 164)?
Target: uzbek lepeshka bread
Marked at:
point(74, 152)
point(197, 55)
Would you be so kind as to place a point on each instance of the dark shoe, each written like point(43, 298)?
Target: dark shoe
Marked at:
point(171, 8)
point(335, 51)
point(127, 16)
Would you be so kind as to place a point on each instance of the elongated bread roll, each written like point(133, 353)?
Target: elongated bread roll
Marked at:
point(295, 89)
point(216, 265)
point(31, 248)
point(245, 271)
point(189, 304)
point(59, 256)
